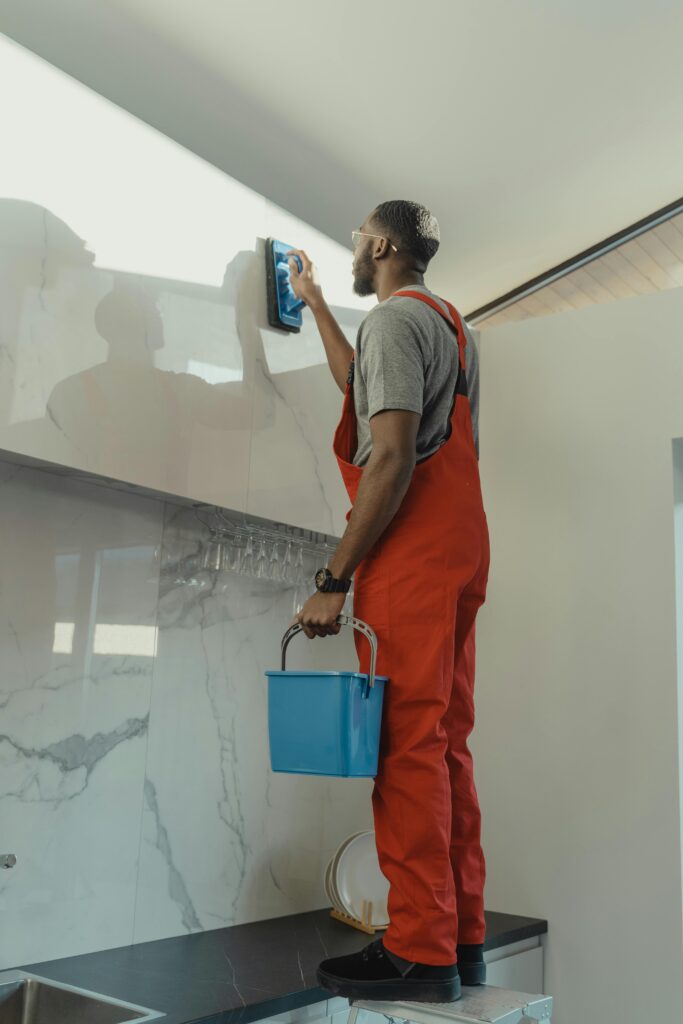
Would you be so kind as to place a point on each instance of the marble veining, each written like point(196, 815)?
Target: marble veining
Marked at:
point(243, 839)
point(67, 763)
point(74, 707)
point(135, 786)
point(177, 889)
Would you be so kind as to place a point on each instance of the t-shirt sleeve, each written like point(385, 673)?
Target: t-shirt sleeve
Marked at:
point(391, 363)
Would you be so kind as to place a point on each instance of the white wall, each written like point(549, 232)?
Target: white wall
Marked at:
point(678, 528)
point(576, 747)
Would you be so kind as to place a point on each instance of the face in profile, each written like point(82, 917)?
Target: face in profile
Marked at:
point(364, 265)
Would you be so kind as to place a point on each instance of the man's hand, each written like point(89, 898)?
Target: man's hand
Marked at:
point(318, 617)
point(305, 285)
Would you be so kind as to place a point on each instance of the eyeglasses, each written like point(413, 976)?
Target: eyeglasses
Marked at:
point(357, 235)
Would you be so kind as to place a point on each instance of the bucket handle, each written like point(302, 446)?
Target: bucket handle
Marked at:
point(342, 619)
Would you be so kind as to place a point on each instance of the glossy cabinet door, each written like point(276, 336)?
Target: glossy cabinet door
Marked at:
point(134, 342)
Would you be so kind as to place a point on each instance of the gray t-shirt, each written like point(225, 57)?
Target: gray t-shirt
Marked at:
point(406, 357)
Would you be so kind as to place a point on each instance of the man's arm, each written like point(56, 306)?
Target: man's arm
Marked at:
point(384, 482)
point(337, 348)
point(306, 286)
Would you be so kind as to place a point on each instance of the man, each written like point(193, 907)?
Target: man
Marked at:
point(417, 540)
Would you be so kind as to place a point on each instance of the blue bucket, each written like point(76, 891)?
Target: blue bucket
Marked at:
point(326, 723)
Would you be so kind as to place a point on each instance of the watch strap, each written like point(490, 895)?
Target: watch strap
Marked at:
point(331, 584)
point(334, 586)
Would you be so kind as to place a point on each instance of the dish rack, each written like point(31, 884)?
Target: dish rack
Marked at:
point(365, 925)
point(373, 914)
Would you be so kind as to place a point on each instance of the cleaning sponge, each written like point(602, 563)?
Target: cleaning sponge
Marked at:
point(284, 308)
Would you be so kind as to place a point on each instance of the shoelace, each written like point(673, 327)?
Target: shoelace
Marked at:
point(375, 948)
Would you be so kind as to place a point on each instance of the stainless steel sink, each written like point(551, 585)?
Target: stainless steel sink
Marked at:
point(30, 999)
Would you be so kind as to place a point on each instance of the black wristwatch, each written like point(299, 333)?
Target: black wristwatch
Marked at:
point(327, 584)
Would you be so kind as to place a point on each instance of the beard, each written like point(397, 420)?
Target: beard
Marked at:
point(364, 275)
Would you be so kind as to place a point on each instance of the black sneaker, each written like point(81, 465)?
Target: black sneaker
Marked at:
point(375, 973)
point(471, 963)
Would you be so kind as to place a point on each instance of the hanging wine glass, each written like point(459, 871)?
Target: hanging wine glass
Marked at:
point(235, 552)
point(288, 563)
point(275, 566)
point(262, 559)
point(300, 590)
point(247, 566)
point(224, 579)
point(299, 571)
point(213, 554)
point(311, 564)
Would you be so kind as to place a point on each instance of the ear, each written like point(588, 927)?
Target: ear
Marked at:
point(382, 249)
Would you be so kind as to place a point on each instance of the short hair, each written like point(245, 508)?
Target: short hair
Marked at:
point(411, 227)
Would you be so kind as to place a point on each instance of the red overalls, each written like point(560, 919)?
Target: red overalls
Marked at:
point(420, 587)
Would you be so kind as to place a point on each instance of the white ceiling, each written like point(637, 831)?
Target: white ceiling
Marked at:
point(532, 129)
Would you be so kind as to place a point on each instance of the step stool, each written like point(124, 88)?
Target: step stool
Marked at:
point(479, 1003)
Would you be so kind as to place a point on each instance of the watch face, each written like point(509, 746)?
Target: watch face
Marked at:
point(320, 577)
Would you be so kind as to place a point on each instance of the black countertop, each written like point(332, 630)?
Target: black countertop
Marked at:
point(237, 974)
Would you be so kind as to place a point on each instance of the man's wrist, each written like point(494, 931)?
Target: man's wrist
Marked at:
point(340, 571)
point(327, 583)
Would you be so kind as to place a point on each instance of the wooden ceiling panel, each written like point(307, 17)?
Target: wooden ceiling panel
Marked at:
point(653, 261)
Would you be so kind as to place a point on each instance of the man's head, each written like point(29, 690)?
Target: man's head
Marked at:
point(406, 237)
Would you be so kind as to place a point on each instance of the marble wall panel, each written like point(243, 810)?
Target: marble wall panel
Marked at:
point(226, 840)
point(79, 569)
point(135, 780)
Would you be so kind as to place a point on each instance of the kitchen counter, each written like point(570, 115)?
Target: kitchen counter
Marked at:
point(242, 973)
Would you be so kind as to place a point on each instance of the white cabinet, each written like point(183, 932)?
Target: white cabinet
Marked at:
point(521, 971)
point(134, 341)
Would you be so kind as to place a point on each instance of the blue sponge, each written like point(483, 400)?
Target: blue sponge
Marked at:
point(284, 308)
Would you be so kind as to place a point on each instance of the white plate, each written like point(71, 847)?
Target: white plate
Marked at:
point(328, 869)
point(329, 892)
point(334, 896)
point(358, 877)
point(342, 846)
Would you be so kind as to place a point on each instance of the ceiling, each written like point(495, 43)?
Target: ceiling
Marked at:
point(532, 130)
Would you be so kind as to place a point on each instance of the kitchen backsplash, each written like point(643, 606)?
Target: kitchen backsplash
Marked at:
point(135, 787)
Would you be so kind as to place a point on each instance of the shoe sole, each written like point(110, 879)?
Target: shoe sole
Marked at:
point(417, 990)
point(473, 974)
